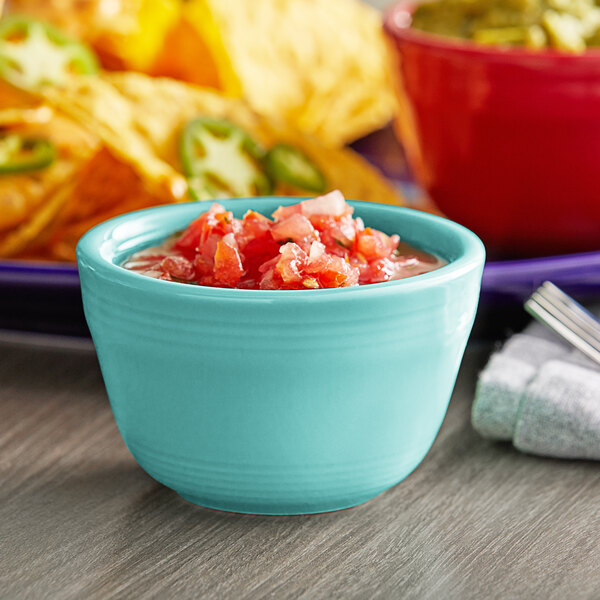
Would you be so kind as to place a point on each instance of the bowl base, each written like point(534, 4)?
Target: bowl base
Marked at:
point(246, 507)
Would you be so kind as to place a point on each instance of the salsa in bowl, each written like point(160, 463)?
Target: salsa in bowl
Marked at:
point(313, 244)
point(505, 139)
point(279, 401)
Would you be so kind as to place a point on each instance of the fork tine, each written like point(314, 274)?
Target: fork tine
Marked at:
point(558, 326)
point(564, 308)
point(565, 317)
point(583, 315)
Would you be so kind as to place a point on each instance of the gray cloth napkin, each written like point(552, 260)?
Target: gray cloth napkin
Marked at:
point(541, 394)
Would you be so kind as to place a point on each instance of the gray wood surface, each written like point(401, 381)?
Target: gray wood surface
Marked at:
point(79, 519)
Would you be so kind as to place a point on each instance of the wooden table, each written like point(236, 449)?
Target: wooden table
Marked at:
point(79, 518)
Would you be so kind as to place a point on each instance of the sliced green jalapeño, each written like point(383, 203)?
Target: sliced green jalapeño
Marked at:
point(220, 160)
point(19, 154)
point(34, 54)
point(290, 165)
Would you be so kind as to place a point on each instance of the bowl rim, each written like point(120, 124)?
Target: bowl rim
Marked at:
point(93, 253)
point(400, 29)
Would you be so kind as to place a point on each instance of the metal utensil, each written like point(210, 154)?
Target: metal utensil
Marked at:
point(566, 317)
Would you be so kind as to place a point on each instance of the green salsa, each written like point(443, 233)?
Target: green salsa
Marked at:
point(568, 25)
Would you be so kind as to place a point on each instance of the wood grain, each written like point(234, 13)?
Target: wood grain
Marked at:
point(79, 518)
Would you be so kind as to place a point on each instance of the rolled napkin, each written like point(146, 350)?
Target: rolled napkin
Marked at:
point(542, 395)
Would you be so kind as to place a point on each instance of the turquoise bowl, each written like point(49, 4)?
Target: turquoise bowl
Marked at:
point(279, 402)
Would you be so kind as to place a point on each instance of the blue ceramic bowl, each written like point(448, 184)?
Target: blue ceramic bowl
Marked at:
point(278, 402)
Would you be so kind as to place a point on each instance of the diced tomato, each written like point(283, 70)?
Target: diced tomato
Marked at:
point(338, 273)
point(374, 244)
point(256, 253)
point(253, 226)
point(296, 228)
point(204, 266)
point(228, 267)
point(338, 234)
point(381, 269)
point(206, 231)
point(313, 244)
point(190, 238)
point(283, 212)
point(332, 204)
point(291, 263)
point(178, 267)
point(317, 258)
point(271, 280)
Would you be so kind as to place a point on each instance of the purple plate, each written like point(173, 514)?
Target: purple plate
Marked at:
point(41, 297)
point(514, 280)
point(45, 297)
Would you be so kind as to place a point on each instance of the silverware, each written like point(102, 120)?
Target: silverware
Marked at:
point(566, 317)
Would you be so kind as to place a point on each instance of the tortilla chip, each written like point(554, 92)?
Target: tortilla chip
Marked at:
point(196, 66)
point(177, 103)
point(12, 97)
point(26, 234)
point(18, 116)
point(97, 105)
point(137, 121)
point(105, 188)
point(43, 213)
point(323, 67)
point(21, 194)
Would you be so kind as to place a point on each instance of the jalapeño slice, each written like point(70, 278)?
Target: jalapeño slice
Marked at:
point(34, 53)
point(290, 165)
point(19, 154)
point(220, 159)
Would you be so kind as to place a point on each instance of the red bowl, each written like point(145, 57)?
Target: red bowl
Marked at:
point(505, 141)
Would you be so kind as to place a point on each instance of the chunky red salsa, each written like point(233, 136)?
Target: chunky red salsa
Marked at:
point(313, 244)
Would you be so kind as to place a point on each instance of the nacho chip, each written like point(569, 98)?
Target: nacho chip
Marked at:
point(105, 188)
point(52, 221)
point(41, 211)
point(22, 194)
point(178, 103)
point(187, 57)
point(12, 97)
point(136, 122)
point(320, 66)
point(28, 233)
point(30, 201)
point(17, 116)
point(97, 105)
